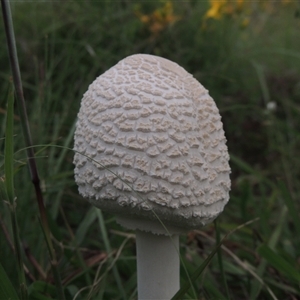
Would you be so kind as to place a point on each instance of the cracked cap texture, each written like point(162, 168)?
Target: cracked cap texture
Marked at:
point(149, 143)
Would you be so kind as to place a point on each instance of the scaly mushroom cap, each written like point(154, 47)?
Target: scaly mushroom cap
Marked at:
point(153, 146)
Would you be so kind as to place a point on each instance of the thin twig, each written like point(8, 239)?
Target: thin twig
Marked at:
point(33, 261)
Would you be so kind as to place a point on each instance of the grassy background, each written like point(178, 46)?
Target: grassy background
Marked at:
point(248, 57)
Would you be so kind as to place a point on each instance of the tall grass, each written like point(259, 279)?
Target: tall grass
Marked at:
point(251, 71)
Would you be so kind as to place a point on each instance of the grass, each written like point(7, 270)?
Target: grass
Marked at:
point(62, 48)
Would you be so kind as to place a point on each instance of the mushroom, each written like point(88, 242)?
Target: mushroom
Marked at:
point(150, 148)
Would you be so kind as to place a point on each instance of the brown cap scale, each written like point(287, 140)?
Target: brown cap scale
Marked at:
point(157, 147)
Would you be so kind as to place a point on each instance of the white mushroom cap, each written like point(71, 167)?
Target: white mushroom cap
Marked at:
point(149, 126)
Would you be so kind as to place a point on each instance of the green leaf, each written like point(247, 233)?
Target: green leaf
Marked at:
point(7, 290)
point(279, 263)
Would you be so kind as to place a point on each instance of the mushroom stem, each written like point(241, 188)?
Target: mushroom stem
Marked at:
point(158, 265)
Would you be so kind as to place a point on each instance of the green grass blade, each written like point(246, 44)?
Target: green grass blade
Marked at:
point(40, 290)
point(109, 250)
point(272, 242)
point(84, 226)
point(9, 186)
point(290, 203)
point(262, 80)
point(15, 68)
point(241, 164)
point(8, 150)
point(180, 294)
point(7, 290)
point(220, 259)
point(62, 154)
point(279, 263)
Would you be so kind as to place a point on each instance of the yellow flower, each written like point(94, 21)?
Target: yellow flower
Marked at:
point(144, 18)
point(215, 11)
point(158, 20)
point(239, 5)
